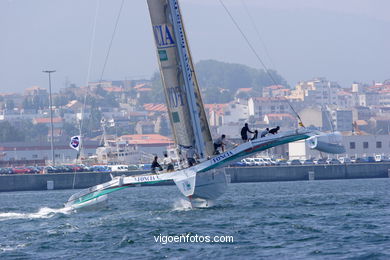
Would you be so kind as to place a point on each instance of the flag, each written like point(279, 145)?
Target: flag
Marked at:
point(75, 142)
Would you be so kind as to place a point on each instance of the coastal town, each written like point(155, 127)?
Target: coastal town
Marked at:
point(134, 115)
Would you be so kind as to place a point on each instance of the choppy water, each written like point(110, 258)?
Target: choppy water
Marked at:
point(285, 220)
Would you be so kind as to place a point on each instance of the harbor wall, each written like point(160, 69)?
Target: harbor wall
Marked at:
point(237, 174)
point(302, 172)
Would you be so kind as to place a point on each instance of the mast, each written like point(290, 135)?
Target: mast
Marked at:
point(182, 93)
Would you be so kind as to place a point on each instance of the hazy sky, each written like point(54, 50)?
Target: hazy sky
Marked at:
point(343, 40)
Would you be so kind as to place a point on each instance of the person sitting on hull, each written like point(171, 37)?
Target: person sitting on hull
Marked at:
point(219, 143)
point(274, 131)
point(155, 165)
point(244, 133)
point(190, 157)
point(264, 132)
point(255, 135)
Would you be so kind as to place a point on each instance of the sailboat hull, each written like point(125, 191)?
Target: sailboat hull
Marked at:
point(209, 186)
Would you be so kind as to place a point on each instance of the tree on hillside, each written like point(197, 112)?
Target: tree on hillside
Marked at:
point(9, 133)
point(232, 76)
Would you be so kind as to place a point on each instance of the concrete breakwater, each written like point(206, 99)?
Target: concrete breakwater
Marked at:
point(237, 175)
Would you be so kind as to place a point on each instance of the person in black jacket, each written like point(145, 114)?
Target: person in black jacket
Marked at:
point(155, 165)
point(244, 132)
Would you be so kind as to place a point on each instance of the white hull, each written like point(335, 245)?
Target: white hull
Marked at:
point(96, 203)
point(209, 186)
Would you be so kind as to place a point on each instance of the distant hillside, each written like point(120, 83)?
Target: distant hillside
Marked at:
point(233, 76)
point(215, 75)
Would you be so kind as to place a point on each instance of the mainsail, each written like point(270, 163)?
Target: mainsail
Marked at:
point(183, 97)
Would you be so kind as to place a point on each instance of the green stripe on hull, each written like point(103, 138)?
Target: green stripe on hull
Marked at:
point(97, 194)
point(265, 147)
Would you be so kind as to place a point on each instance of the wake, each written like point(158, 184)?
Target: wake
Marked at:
point(44, 212)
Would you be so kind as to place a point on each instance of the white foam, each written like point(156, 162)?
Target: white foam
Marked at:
point(42, 213)
point(182, 204)
point(5, 248)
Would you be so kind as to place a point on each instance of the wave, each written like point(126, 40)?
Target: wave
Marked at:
point(44, 212)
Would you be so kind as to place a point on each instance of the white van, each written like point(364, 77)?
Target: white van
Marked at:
point(119, 168)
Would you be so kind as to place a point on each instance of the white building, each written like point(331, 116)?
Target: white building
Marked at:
point(260, 106)
point(355, 145)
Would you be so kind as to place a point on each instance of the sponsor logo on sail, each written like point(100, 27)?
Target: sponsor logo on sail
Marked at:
point(175, 97)
point(163, 36)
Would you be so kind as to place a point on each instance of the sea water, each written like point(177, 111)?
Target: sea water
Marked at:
point(278, 220)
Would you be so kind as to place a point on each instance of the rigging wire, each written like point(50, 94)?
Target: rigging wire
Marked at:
point(258, 33)
point(91, 44)
point(91, 55)
point(257, 56)
point(112, 40)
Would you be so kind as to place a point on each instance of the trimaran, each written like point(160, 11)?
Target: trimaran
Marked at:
point(207, 180)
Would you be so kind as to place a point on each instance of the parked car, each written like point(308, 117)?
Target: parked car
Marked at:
point(21, 170)
point(345, 160)
point(119, 168)
point(260, 162)
point(294, 162)
point(147, 166)
point(133, 167)
point(361, 160)
point(332, 161)
point(270, 161)
point(6, 170)
point(100, 168)
point(281, 162)
point(237, 164)
point(371, 159)
point(249, 161)
point(321, 161)
point(308, 162)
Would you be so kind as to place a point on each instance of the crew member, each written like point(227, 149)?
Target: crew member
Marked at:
point(274, 131)
point(167, 161)
point(155, 165)
point(264, 132)
point(244, 132)
point(255, 135)
point(190, 157)
point(219, 143)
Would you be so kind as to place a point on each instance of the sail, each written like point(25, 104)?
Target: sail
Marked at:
point(182, 94)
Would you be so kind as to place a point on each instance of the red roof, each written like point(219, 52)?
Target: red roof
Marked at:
point(343, 93)
point(274, 87)
point(45, 120)
point(155, 107)
point(140, 86)
point(244, 89)
point(113, 89)
point(146, 139)
point(270, 98)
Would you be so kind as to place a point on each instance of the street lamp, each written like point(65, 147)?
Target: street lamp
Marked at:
point(51, 117)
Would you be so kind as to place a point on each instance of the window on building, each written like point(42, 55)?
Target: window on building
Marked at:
point(365, 145)
point(57, 155)
point(272, 108)
point(378, 144)
point(35, 156)
point(352, 145)
point(228, 113)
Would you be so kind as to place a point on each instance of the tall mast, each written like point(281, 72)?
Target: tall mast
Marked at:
point(183, 98)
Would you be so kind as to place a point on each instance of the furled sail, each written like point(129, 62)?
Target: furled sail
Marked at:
point(183, 98)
